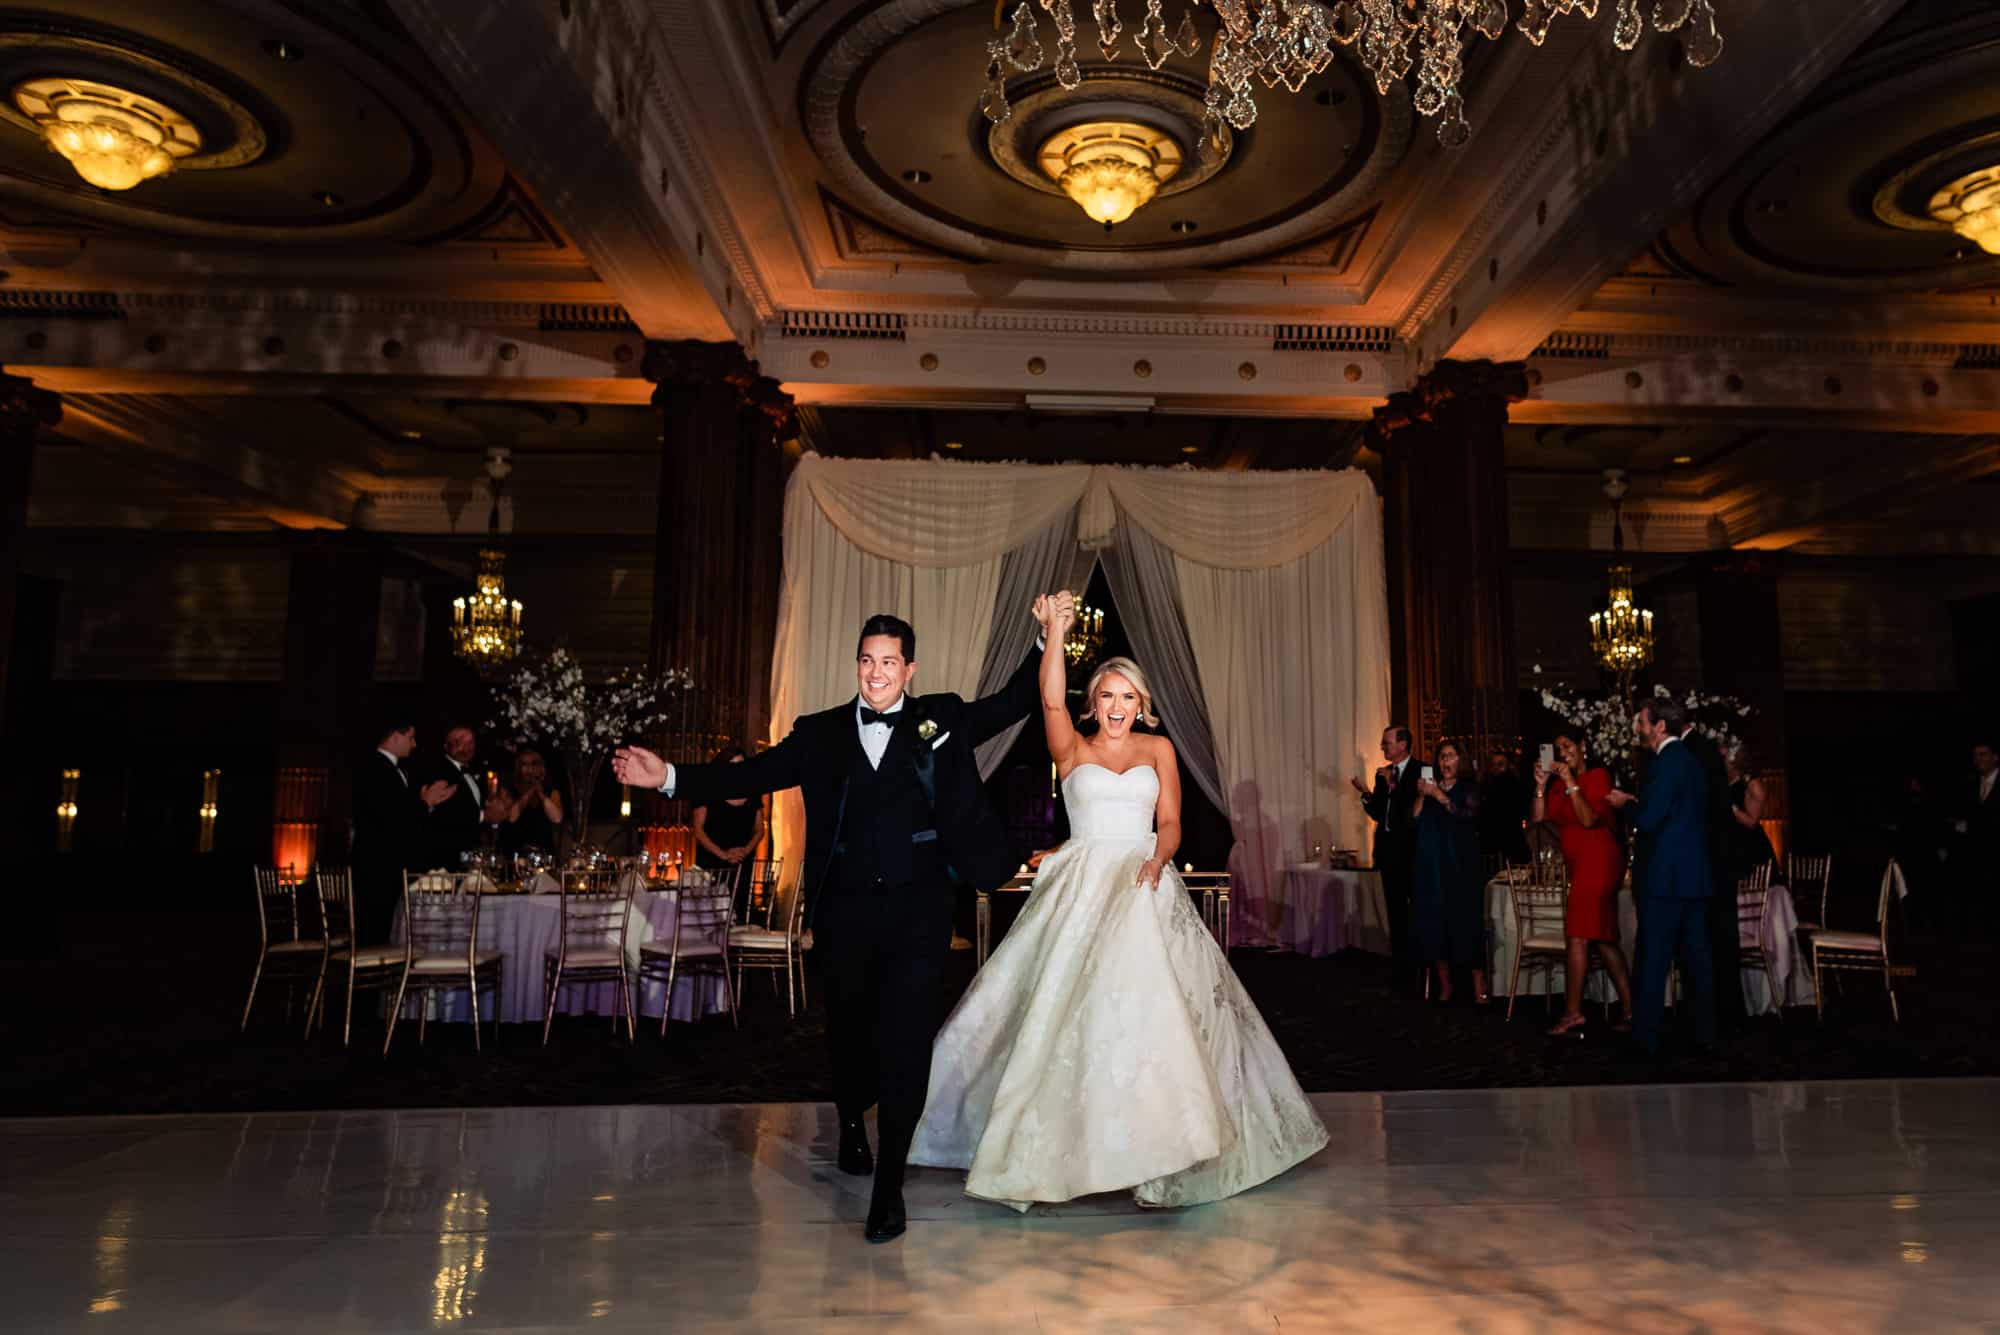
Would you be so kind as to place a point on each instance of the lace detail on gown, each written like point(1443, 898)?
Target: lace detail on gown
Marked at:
point(1107, 1045)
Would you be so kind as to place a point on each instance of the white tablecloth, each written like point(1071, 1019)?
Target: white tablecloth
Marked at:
point(1780, 943)
point(1318, 911)
point(523, 927)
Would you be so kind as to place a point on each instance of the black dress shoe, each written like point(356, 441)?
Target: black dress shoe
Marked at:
point(856, 1160)
point(886, 1220)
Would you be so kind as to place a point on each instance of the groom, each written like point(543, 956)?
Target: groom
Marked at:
point(893, 810)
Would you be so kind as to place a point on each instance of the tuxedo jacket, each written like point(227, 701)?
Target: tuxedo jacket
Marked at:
point(818, 756)
point(1392, 811)
point(388, 817)
point(454, 824)
point(1673, 816)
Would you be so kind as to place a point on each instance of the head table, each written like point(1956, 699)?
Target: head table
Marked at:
point(1779, 939)
point(523, 927)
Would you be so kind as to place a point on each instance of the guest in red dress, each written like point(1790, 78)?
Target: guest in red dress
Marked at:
point(1573, 797)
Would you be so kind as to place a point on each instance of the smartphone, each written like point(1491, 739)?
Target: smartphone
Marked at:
point(1548, 757)
point(1425, 774)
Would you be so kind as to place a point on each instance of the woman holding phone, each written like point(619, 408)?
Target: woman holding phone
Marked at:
point(1574, 795)
point(1447, 887)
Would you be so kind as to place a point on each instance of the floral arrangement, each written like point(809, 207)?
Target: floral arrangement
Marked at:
point(1606, 724)
point(547, 700)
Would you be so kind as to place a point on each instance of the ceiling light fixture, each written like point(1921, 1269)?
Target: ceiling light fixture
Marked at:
point(1970, 206)
point(1289, 41)
point(113, 138)
point(1112, 169)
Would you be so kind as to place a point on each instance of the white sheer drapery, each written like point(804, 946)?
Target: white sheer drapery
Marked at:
point(1255, 599)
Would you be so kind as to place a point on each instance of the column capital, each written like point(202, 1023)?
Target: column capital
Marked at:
point(689, 364)
point(764, 395)
point(23, 407)
point(1492, 384)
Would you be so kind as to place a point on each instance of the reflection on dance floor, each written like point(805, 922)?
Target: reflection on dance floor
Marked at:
point(1816, 1206)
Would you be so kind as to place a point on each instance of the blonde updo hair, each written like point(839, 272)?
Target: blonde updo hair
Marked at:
point(1130, 671)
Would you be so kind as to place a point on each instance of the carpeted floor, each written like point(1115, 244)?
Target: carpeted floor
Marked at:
point(137, 1013)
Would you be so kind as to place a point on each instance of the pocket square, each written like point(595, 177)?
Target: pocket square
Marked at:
point(940, 741)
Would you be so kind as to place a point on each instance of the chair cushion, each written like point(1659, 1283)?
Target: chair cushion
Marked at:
point(757, 938)
point(454, 962)
point(372, 957)
point(588, 957)
point(1857, 941)
point(1545, 943)
point(295, 947)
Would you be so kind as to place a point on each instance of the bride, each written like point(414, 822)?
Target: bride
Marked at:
point(1107, 1045)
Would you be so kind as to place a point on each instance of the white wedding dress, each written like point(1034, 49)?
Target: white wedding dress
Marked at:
point(1107, 1045)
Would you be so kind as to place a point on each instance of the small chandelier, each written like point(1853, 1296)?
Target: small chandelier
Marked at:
point(1621, 635)
point(486, 628)
point(114, 139)
point(1111, 169)
point(1971, 205)
point(1084, 644)
point(1289, 41)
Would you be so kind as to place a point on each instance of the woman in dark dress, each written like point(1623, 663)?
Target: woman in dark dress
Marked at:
point(534, 808)
point(726, 834)
point(1749, 847)
point(1446, 915)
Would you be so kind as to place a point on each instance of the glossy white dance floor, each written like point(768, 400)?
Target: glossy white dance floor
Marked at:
point(1775, 1207)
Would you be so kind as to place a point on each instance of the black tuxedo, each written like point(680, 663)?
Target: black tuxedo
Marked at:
point(389, 832)
point(1723, 943)
point(882, 842)
point(455, 824)
point(1395, 847)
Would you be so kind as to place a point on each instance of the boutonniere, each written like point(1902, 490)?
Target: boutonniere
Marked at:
point(927, 729)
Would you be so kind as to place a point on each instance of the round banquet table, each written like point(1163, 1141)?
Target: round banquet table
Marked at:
point(1317, 910)
point(524, 926)
point(1780, 938)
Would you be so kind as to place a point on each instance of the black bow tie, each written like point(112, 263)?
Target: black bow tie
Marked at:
point(869, 716)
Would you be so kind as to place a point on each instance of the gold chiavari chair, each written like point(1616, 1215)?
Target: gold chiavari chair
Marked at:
point(377, 967)
point(1753, 898)
point(1540, 891)
point(1808, 876)
point(441, 921)
point(590, 945)
point(1861, 952)
point(779, 943)
point(700, 945)
point(283, 950)
point(1212, 889)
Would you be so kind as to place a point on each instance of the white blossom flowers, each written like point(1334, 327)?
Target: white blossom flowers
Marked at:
point(1607, 727)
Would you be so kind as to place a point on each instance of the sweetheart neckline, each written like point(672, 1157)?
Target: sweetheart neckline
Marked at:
point(1114, 773)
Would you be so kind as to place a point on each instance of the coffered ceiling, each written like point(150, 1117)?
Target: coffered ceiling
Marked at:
point(444, 229)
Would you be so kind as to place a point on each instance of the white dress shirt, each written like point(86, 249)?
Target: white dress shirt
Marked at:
point(1986, 785)
point(470, 782)
point(395, 765)
point(875, 736)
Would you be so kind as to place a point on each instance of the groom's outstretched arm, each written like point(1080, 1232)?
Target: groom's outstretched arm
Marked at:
point(783, 766)
point(989, 716)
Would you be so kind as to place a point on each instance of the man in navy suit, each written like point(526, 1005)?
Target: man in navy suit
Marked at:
point(1678, 880)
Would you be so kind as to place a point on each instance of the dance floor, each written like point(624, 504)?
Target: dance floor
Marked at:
point(1860, 1206)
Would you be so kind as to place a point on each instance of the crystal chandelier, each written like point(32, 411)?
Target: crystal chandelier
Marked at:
point(1289, 41)
point(1085, 642)
point(486, 628)
point(1621, 635)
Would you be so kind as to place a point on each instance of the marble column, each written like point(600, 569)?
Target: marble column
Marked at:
point(325, 714)
point(24, 411)
point(1451, 604)
point(720, 527)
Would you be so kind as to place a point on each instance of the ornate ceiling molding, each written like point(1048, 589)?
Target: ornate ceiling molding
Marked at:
point(844, 57)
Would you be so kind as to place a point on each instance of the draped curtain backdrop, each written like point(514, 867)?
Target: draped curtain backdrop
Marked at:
point(1255, 602)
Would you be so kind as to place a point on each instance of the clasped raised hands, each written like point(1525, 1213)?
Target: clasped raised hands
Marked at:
point(1056, 612)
